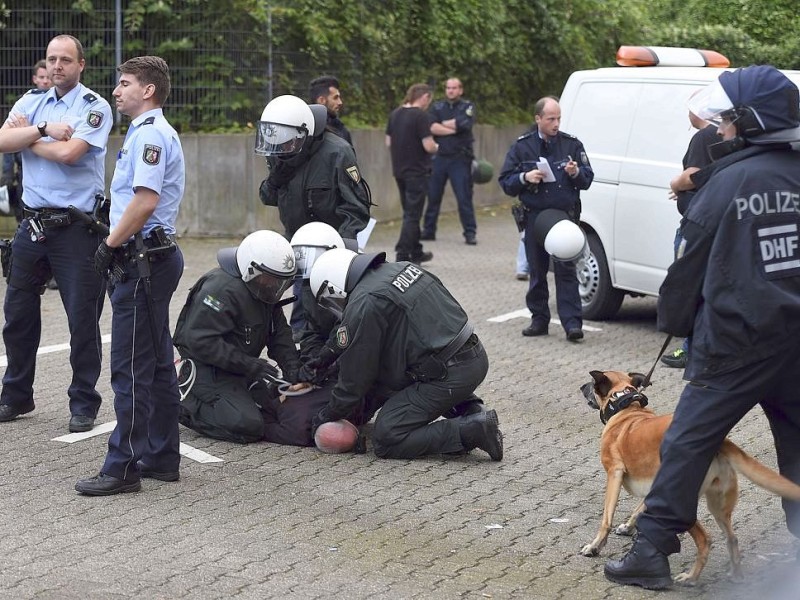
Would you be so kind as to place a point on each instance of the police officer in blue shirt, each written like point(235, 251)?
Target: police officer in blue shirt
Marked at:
point(452, 130)
point(145, 265)
point(62, 134)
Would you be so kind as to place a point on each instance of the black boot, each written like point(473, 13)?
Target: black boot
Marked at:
point(644, 565)
point(466, 408)
point(480, 430)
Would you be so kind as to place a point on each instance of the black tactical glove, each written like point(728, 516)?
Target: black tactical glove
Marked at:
point(315, 370)
point(110, 263)
point(264, 370)
point(280, 173)
point(323, 416)
point(324, 358)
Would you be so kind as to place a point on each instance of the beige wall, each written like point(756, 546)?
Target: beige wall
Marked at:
point(223, 174)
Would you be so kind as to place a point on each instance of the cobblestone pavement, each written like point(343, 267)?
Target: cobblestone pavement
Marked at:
point(282, 522)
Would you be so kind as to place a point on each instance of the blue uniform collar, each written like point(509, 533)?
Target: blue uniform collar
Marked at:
point(156, 112)
point(69, 98)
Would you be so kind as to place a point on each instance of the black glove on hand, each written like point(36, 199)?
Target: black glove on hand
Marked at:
point(323, 359)
point(307, 374)
point(280, 173)
point(323, 416)
point(103, 258)
point(266, 370)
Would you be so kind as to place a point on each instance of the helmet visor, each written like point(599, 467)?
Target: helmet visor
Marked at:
point(269, 288)
point(306, 256)
point(332, 299)
point(274, 139)
point(711, 103)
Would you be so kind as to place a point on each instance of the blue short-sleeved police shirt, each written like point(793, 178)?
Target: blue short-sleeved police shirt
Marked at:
point(52, 184)
point(151, 157)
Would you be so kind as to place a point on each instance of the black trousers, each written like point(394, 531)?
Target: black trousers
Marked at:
point(704, 416)
point(412, 197)
point(407, 425)
point(227, 406)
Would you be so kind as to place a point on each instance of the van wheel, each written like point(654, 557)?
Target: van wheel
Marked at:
point(599, 299)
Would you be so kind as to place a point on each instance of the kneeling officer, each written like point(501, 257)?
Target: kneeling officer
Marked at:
point(406, 343)
point(231, 314)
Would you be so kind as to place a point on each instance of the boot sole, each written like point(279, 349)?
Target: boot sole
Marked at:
point(654, 583)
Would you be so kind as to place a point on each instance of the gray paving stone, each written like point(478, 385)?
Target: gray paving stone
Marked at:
point(284, 522)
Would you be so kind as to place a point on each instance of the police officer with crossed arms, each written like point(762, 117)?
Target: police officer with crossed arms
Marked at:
point(62, 135)
point(406, 345)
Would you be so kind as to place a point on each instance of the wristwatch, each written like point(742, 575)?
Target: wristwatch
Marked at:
point(41, 127)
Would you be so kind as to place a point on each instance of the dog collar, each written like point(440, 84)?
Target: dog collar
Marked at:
point(621, 401)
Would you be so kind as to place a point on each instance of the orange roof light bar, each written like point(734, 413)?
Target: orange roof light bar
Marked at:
point(663, 56)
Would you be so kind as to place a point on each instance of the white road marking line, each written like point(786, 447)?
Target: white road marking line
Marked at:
point(50, 349)
point(198, 455)
point(526, 314)
point(85, 435)
point(185, 449)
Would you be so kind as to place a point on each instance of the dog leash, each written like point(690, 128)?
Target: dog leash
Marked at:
point(646, 381)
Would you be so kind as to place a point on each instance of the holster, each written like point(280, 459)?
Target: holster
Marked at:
point(5, 257)
point(520, 214)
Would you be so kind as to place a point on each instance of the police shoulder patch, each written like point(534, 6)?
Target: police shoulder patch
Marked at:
point(342, 337)
point(213, 303)
point(353, 173)
point(470, 110)
point(584, 159)
point(151, 154)
point(94, 118)
point(525, 136)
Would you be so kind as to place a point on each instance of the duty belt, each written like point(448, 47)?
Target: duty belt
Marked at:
point(158, 246)
point(49, 218)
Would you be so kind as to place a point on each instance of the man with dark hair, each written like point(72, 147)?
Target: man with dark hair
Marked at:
point(325, 90)
point(62, 134)
point(409, 138)
point(735, 285)
point(140, 251)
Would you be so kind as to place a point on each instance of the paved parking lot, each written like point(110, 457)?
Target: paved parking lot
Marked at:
point(268, 521)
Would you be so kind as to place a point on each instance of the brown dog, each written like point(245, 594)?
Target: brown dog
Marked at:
point(629, 451)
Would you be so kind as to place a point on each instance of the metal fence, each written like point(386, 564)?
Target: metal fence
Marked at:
point(224, 68)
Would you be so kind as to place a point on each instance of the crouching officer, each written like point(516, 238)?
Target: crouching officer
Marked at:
point(146, 192)
point(231, 315)
point(406, 341)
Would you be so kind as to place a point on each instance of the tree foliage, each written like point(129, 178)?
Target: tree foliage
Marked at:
point(508, 53)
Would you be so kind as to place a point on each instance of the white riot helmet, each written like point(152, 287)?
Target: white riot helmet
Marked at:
point(265, 262)
point(310, 242)
point(285, 124)
point(329, 279)
point(336, 273)
point(561, 237)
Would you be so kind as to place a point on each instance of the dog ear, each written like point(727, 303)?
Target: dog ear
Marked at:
point(637, 379)
point(602, 384)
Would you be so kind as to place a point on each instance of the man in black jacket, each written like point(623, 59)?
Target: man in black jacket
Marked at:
point(405, 344)
point(231, 315)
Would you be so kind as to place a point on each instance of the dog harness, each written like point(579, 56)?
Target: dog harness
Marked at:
point(622, 400)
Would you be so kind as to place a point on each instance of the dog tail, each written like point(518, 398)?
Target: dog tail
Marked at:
point(759, 473)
